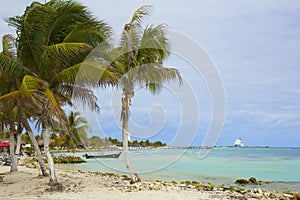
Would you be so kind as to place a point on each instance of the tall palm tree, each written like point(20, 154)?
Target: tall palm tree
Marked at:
point(138, 60)
point(9, 110)
point(11, 97)
point(53, 39)
point(8, 114)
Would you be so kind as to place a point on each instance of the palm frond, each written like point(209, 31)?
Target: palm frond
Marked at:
point(86, 73)
point(10, 96)
point(85, 97)
point(66, 49)
point(34, 34)
point(140, 14)
point(91, 32)
point(152, 76)
point(12, 67)
point(31, 84)
point(9, 46)
point(53, 111)
point(154, 46)
point(60, 55)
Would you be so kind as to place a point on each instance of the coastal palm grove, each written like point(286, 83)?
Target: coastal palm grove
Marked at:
point(40, 62)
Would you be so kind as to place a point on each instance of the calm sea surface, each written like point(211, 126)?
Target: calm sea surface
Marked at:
point(280, 166)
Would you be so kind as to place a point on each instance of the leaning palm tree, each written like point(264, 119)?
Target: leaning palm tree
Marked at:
point(139, 62)
point(8, 112)
point(10, 96)
point(53, 39)
point(15, 101)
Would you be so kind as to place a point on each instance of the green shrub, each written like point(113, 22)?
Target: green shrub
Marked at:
point(187, 182)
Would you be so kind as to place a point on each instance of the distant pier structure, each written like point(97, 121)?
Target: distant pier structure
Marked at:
point(188, 147)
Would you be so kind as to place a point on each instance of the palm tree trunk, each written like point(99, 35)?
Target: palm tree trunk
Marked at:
point(37, 151)
point(18, 144)
point(2, 130)
point(33, 140)
point(125, 133)
point(52, 175)
point(14, 165)
point(18, 138)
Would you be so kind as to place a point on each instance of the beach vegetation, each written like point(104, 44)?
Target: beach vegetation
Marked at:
point(187, 182)
point(95, 141)
point(195, 183)
point(136, 143)
point(68, 159)
point(231, 189)
point(139, 63)
point(240, 190)
point(11, 98)
point(78, 127)
point(52, 41)
point(10, 124)
point(210, 186)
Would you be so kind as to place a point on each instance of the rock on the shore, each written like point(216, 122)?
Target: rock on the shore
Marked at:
point(250, 181)
point(288, 196)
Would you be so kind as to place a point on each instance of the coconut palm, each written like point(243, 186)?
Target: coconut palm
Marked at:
point(78, 127)
point(53, 39)
point(10, 100)
point(8, 113)
point(138, 61)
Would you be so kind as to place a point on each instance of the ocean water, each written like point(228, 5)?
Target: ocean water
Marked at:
point(279, 166)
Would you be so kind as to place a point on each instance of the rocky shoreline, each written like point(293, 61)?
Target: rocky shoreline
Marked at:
point(122, 183)
point(91, 185)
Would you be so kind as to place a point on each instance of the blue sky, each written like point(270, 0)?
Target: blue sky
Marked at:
point(256, 47)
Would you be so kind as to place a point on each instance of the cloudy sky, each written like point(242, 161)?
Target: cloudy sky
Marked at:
point(254, 44)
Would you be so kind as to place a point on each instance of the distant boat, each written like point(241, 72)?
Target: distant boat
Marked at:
point(238, 143)
point(114, 155)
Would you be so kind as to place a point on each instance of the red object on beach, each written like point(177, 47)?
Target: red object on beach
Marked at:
point(4, 144)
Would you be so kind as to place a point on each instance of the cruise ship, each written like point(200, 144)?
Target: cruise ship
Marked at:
point(238, 143)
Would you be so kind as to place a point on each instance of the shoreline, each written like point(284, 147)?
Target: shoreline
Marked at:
point(91, 185)
point(279, 186)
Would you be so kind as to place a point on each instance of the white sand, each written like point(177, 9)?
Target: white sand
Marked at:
point(27, 184)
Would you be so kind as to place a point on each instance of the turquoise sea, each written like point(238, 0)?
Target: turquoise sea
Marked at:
point(223, 165)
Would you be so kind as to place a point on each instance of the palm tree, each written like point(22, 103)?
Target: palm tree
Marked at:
point(78, 128)
point(139, 62)
point(10, 96)
point(53, 39)
point(15, 101)
point(8, 114)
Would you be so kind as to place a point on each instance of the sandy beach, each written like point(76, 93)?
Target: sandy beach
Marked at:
point(28, 184)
